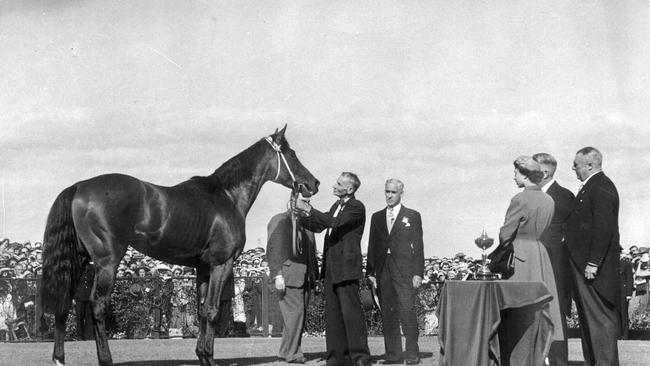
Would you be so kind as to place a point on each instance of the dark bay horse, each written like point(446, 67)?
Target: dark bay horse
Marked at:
point(198, 223)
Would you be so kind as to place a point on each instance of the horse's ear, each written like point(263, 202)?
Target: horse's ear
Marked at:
point(279, 135)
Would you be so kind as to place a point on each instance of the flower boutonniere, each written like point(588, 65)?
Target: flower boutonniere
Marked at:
point(406, 222)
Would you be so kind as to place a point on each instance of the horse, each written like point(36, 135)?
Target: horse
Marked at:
point(198, 223)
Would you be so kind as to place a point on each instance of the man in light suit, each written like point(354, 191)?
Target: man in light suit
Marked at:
point(593, 244)
point(346, 336)
point(553, 239)
point(396, 265)
point(294, 274)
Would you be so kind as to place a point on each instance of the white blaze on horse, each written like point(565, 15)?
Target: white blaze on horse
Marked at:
point(198, 223)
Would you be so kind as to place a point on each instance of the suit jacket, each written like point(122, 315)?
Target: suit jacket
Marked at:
point(553, 239)
point(554, 235)
point(297, 269)
point(626, 275)
point(342, 247)
point(404, 240)
point(592, 234)
point(85, 286)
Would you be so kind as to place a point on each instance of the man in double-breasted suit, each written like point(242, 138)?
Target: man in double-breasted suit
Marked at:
point(553, 239)
point(396, 265)
point(346, 335)
point(626, 276)
point(294, 272)
point(83, 306)
point(593, 244)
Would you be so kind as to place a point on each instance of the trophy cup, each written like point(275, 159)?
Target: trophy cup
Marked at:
point(483, 272)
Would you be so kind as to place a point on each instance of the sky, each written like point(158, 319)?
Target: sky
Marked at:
point(442, 95)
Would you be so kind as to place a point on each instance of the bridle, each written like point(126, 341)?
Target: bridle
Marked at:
point(279, 153)
point(294, 194)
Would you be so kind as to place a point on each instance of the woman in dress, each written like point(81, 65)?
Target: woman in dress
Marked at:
point(528, 215)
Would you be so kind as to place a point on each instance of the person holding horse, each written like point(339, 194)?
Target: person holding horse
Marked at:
point(291, 253)
point(345, 332)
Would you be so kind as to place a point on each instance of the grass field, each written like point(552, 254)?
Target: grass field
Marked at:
point(244, 351)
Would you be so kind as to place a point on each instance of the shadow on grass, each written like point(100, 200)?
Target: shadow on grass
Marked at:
point(246, 361)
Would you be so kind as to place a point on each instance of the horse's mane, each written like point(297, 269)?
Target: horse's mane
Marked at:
point(237, 169)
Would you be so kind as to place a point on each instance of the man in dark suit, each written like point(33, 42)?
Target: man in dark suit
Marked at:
point(345, 331)
point(83, 306)
point(294, 272)
point(554, 242)
point(593, 244)
point(396, 265)
point(626, 276)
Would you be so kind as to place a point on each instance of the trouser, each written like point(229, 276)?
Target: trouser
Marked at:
point(346, 336)
point(84, 312)
point(599, 323)
point(397, 300)
point(293, 306)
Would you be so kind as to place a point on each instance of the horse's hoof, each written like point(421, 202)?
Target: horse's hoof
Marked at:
point(58, 363)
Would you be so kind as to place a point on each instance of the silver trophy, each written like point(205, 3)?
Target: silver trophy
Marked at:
point(483, 273)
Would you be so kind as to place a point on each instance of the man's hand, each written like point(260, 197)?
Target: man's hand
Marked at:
point(279, 283)
point(373, 280)
point(417, 281)
point(303, 206)
point(591, 272)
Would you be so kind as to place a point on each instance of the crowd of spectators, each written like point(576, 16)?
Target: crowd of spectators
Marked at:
point(24, 261)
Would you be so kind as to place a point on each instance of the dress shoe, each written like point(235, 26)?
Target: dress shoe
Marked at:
point(301, 359)
point(412, 361)
point(390, 362)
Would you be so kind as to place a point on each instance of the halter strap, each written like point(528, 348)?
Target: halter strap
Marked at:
point(279, 153)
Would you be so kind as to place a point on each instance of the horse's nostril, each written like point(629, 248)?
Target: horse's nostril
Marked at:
point(317, 183)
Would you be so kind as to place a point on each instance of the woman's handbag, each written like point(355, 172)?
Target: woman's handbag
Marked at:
point(502, 260)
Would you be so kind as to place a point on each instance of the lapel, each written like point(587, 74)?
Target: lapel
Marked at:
point(585, 188)
point(384, 224)
point(397, 225)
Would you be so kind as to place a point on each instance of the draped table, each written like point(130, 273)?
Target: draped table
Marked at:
point(494, 323)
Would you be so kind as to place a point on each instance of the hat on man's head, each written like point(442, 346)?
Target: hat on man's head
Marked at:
point(145, 267)
point(163, 267)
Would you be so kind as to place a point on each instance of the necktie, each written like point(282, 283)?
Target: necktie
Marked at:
point(390, 218)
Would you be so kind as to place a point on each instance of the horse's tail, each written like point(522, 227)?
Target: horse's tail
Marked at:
point(63, 256)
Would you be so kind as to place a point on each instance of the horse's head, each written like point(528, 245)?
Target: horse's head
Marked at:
point(287, 169)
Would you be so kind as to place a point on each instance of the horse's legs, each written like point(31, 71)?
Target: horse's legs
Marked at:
point(58, 356)
point(218, 276)
point(202, 278)
point(104, 280)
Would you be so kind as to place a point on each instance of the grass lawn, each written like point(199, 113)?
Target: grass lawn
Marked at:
point(244, 351)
